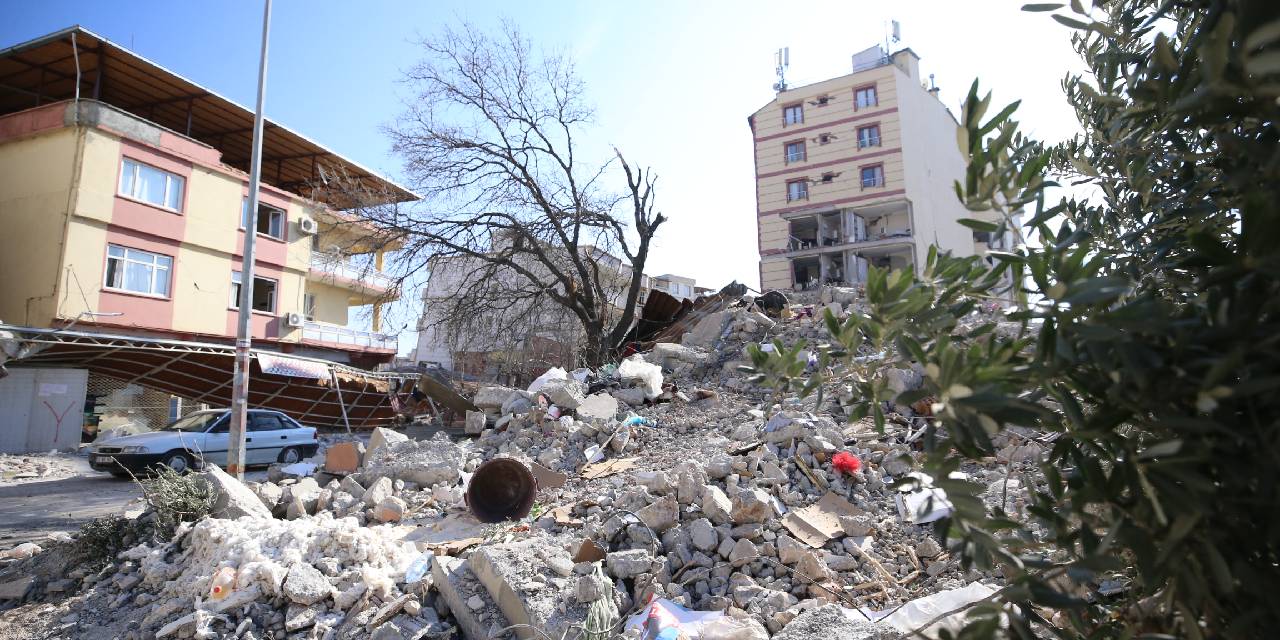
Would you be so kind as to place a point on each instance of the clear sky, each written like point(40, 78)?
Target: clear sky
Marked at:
point(673, 82)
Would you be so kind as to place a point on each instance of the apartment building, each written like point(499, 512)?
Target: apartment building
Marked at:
point(123, 199)
point(857, 171)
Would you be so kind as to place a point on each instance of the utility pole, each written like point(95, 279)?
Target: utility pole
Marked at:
point(244, 335)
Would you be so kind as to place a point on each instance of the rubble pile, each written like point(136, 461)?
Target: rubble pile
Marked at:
point(17, 469)
point(670, 493)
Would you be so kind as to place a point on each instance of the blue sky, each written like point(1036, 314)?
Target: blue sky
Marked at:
point(673, 82)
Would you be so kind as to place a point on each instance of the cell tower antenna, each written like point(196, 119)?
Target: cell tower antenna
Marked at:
point(782, 60)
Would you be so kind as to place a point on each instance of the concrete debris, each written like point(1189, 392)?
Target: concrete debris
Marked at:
point(18, 469)
point(424, 462)
point(232, 499)
point(668, 478)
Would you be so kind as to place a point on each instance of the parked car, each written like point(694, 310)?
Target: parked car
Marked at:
point(204, 437)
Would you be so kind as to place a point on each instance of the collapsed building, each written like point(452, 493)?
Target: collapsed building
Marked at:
point(486, 322)
point(666, 491)
point(124, 187)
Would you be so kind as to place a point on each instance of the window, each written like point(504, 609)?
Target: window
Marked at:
point(309, 306)
point(264, 293)
point(270, 219)
point(797, 190)
point(137, 271)
point(869, 136)
point(793, 114)
point(795, 151)
point(151, 185)
point(865, 97)
point(873, 176)
point(264, 422)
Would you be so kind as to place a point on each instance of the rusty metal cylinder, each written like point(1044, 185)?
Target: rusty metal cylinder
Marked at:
point(501, 489)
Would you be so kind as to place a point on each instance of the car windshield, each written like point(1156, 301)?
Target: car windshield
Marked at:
point(194, 422)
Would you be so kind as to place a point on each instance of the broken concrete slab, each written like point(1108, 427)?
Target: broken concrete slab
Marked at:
point(425, 462)
point(816, 524)
point(492, 398)
point(381, 437)
point(528, 591)
point(566, 394)
point(457, 584)
point(833, 621)
point(475, 423)
point(232, 499)
point(600, 406)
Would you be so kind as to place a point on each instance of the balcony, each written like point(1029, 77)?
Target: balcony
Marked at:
point(336, 270)
point(338, 335)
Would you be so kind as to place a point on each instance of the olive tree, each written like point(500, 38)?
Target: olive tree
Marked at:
point(1145, 334)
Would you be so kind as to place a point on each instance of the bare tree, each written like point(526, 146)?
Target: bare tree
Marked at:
point(490, 142)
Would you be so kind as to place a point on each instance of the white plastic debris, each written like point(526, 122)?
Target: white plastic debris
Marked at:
point(22, 551)
point(635, 368)
point(554, 373)
point(926, 504)
point(921, 610)
point(661, 614)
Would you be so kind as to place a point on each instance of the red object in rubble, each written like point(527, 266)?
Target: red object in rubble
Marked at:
point(846, 462)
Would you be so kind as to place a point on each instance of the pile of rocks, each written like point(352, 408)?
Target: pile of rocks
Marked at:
point(666, 477)
point(17, 469)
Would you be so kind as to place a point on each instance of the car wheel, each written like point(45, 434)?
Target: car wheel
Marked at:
point(178, 461)
point(290, 455)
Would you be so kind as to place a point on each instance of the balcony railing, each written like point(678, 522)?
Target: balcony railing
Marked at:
point(337, 334)
point(340, 269)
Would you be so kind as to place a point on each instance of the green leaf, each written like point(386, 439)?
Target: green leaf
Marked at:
point(1070, 22)
point(978, 225)
point(1043, 6)
point(1262, 36)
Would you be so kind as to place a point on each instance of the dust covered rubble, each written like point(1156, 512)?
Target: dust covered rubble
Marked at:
point(697, 518)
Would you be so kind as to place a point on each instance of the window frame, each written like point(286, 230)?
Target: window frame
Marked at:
point(786, 110)
point(875, 97)
point(874, 142)
point(862, 180)
point(309, 306)
point(786, 153)
point(154, 268)
point(169, 179)
point(237, 279)
point(804, 195)
point(284, 219)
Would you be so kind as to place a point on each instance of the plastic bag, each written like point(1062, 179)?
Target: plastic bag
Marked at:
point(727, 628)
point(635, 368)
point(418, 568)
point(554, 373)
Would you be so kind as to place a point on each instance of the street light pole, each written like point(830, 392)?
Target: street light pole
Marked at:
point(244, 336)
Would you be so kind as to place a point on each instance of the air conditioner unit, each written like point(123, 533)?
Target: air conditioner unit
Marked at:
point(308, 225)
point(294, 319)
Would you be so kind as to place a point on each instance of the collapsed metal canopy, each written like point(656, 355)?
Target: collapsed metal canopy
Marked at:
point(316, 392)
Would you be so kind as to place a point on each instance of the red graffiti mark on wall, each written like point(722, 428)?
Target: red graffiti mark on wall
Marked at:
point(58, 418)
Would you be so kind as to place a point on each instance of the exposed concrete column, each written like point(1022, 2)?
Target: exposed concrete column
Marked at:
point(377, 306)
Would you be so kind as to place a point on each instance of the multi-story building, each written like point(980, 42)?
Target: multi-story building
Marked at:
point(123, 215)
point(856, 171)
point(123, 197)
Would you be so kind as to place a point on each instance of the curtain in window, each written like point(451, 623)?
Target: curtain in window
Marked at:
point(150, 185)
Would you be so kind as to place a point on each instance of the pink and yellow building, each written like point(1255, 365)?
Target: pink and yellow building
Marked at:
point(123, 189)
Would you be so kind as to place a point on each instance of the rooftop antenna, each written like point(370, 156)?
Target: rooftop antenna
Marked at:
point(892, 33)
point(782, 60)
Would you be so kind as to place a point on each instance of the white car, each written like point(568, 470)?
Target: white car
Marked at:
point(204, 437)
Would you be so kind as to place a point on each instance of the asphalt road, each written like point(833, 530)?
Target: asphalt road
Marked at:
point(33, 510)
